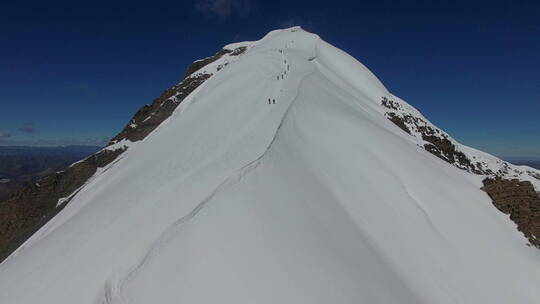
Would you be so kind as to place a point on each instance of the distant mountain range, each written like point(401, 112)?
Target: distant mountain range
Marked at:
point(21, 164)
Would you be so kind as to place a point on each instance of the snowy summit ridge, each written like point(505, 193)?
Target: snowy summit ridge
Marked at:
point(285, 175)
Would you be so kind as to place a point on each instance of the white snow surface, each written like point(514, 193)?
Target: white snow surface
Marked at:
point(317, 198)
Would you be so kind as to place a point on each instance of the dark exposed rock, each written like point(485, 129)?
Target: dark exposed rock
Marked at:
point(239, 51)
point(398, 121)
point(33, 206)
point(520, 201)
point(437, 144)
point(30, 208)
point(7, 189)
point(440, 144)
point(21, 165)
point(390, 104)
point(443, 148)
point(221, 66)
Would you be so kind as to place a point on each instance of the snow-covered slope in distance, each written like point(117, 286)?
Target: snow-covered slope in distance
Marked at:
point(317, 198)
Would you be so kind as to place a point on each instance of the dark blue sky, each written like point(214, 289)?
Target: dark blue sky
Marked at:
point(75, 72)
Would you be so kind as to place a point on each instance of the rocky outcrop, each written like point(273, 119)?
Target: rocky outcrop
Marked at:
point(440, 144)
point(33, 206)
point(398, 121)
point(437, 142)
point(444, 149)
point(519, 200)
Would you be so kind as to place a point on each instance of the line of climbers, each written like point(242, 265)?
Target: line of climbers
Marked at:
point(273, 100)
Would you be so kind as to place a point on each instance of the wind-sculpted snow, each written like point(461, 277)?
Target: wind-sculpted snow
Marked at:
point(316, 198)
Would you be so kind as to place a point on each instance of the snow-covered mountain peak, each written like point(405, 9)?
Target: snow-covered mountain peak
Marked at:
point(279, 171)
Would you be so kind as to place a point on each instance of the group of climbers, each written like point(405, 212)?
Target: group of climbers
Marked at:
point(273, 100)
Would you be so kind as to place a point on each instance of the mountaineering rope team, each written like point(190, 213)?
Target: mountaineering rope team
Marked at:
point(273, 100)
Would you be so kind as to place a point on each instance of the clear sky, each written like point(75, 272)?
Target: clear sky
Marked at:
point(74, 72)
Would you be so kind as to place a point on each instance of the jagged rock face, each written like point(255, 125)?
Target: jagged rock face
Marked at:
point(437, 142)
point(440, 144)
point(444, 149)
point(520, 201)
point(31, 207)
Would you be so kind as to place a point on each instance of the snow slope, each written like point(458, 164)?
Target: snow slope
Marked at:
point(317, 198)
